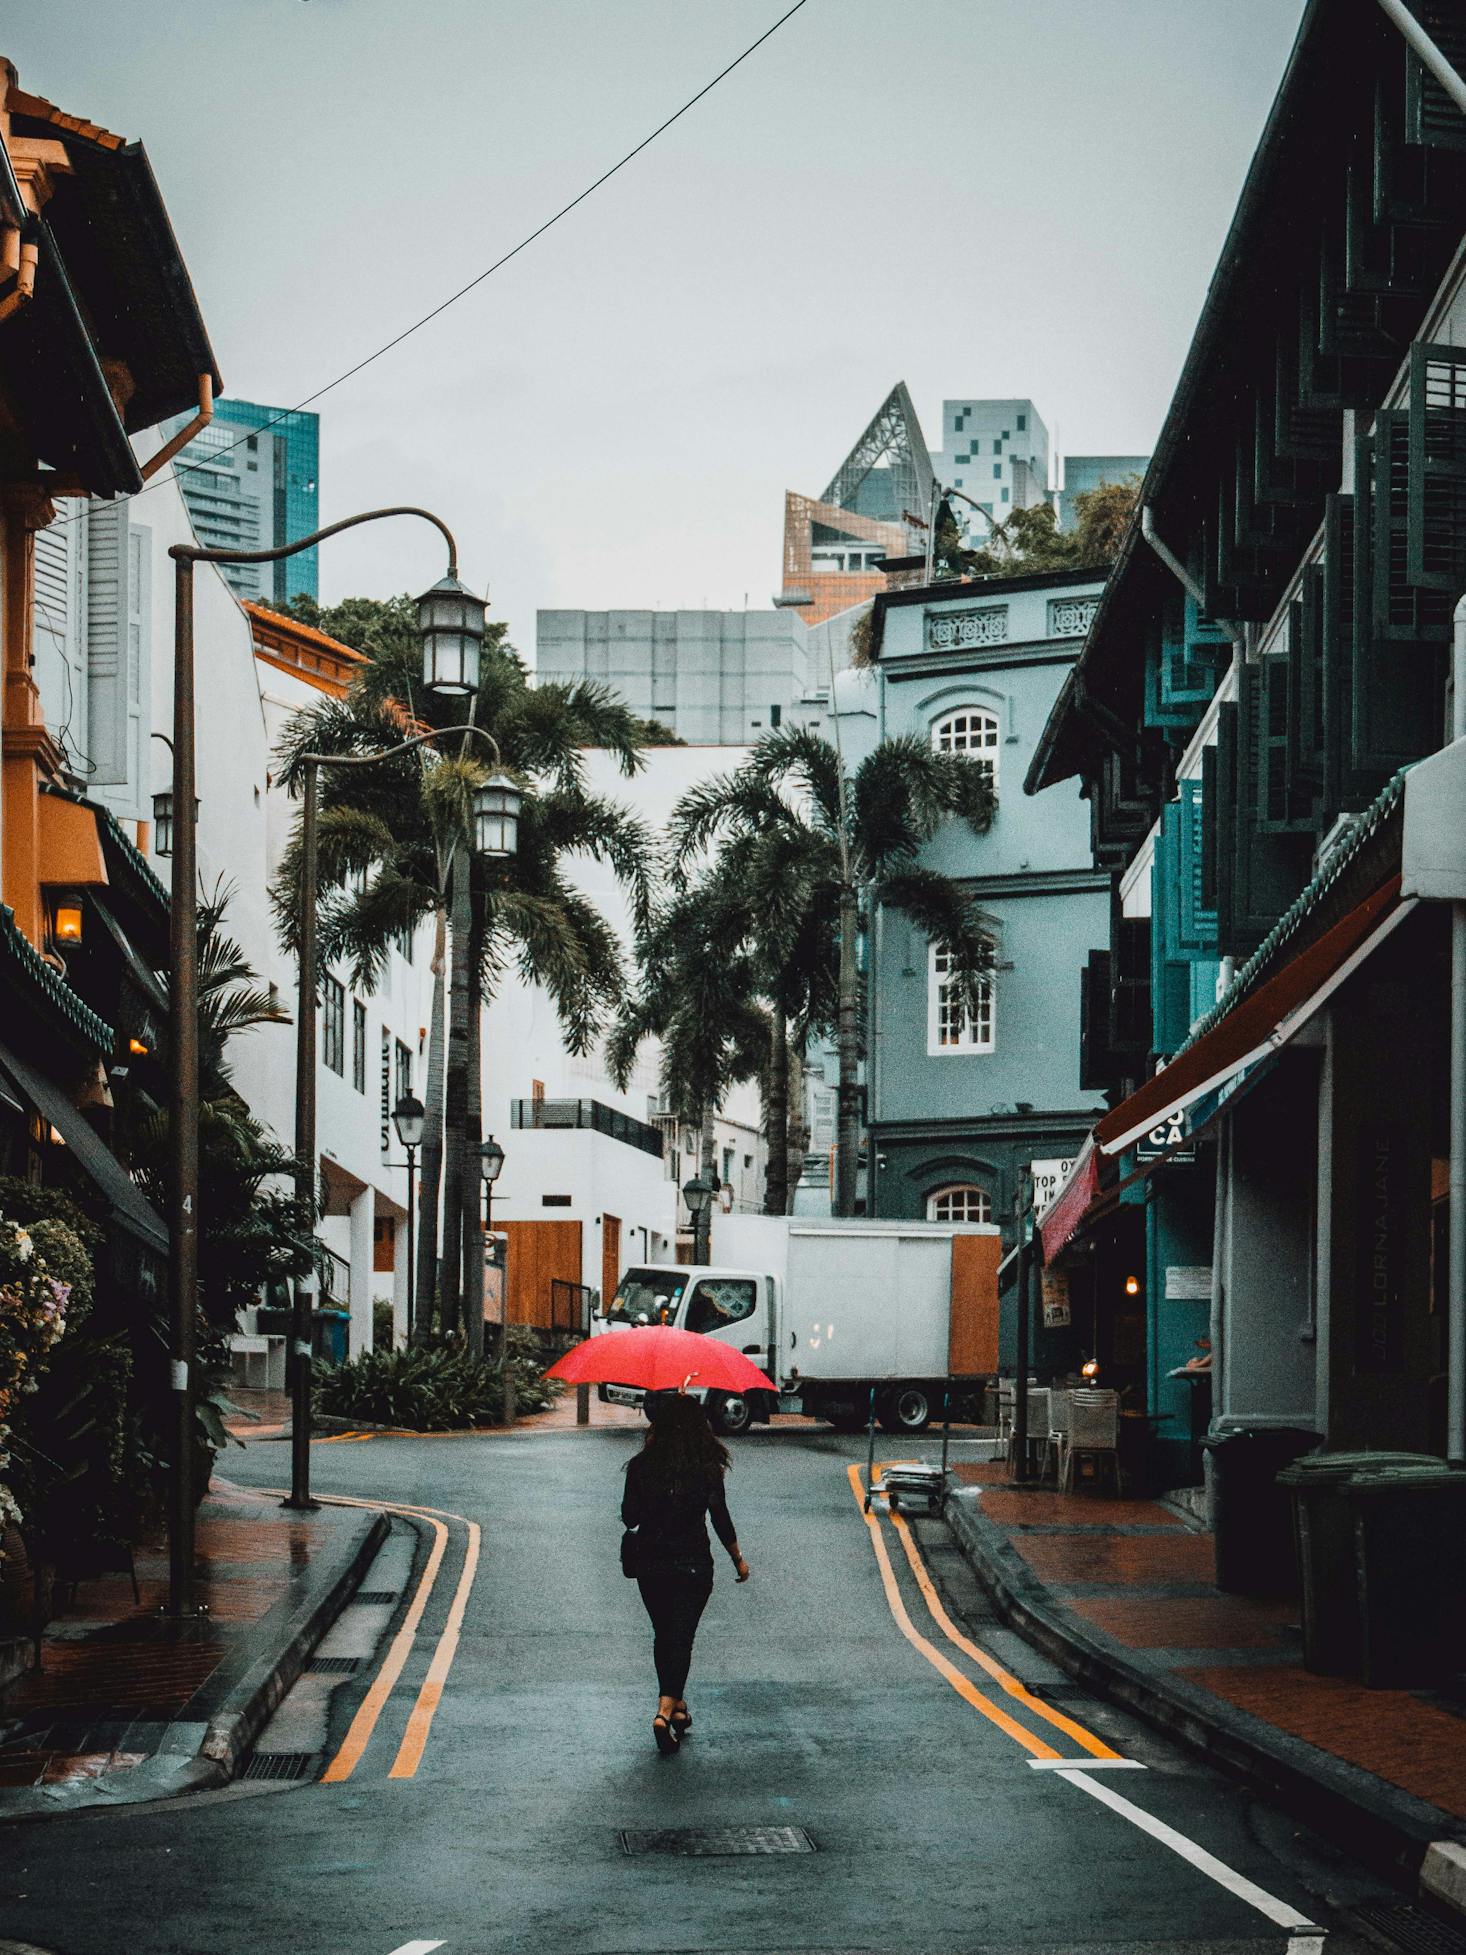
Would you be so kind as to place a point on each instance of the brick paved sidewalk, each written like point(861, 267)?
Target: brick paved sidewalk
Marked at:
point(1137, 1577)
point(118, 1684)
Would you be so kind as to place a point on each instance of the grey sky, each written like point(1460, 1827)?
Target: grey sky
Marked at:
point(977, 196)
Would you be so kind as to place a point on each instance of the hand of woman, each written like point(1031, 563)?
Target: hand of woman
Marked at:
point(742, 1569)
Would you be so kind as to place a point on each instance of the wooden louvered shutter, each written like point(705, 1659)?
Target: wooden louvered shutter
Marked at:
point(1207, 857)
point(108, 617)
point(1436, 492)
point(1197, 932)
point(1431, 117)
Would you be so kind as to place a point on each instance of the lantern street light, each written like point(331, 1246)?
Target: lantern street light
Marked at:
point(698, 1194)
point(496, 805)
point(451, 620)
point(183, 1245)
point(407, 1118)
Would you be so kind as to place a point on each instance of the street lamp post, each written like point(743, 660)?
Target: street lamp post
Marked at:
point(495, 812)
point(447, 637)
point(698, 1194)
point(490, 1163)
point(407, 1118)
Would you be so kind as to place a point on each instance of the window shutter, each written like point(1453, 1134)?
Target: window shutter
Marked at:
point(1305, 692)
point(118, 651)
point(1392, 711)
point(1402, 610)
point(56, 631)
point(1208, 816)
point(1197, 932)
point(1267, 868)
point(1285, 807)
point(1431, 117)
point(1097, 1067)
point(1436, 493)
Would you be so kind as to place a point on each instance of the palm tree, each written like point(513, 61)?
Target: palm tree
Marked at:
point(393, 852)
point(815, 853)
point(697, 992)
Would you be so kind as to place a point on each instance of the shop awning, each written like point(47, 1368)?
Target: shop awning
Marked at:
point(1211, 1069)
point(1261, 1025)
point(131, 1208)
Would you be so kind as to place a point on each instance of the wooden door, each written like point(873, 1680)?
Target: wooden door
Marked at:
point(610, 1257)
point(538, 1253)
point(973, 1339)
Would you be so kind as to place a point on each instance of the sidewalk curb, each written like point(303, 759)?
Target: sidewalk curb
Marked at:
point(1397, 1835)
point(216, 1728)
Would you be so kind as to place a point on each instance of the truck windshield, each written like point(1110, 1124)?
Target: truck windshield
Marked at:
point(647, 1296)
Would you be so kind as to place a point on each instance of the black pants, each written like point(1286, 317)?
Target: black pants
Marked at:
point(675, 1594)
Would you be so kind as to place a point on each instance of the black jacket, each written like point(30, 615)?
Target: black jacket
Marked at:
point(669, 1517)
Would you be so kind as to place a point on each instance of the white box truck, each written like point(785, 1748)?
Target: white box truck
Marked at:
point(830, 1310)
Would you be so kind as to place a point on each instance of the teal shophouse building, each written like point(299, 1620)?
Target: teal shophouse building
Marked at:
point(958, 1103)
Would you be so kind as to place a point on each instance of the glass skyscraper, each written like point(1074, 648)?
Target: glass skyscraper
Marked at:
point(251, 482)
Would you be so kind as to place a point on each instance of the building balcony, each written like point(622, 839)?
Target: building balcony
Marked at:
point(588, 1114)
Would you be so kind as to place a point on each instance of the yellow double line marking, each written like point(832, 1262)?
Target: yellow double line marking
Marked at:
point(420, 1720)
point(962, 1684)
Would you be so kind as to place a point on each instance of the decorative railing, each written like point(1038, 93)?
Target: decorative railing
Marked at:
point(587, 1113)
point(951, 631)
point(1071, 617)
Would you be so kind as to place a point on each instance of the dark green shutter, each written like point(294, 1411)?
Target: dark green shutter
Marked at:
point(1436, 492)
point(1197, 932)
point(1209, 815)
point(1431, 117)
point(1402, 609)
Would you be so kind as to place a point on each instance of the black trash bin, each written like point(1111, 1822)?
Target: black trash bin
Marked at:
point(1410, 1548)
point(1323, 1539)
point(1252, 1523)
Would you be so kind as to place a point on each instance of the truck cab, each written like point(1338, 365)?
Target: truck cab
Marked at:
point(736, 1306)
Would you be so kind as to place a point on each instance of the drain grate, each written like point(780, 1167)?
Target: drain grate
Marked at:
point(280, 1765)
point(703, 1841)
point(1410, 1929)
point(334, 1666)
point(375, 1595)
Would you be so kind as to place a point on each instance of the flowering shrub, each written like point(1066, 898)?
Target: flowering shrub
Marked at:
point(33, 1302)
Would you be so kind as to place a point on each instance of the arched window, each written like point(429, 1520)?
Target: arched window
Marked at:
point(973, 732)
point(955, 1023)
point(961, 1204)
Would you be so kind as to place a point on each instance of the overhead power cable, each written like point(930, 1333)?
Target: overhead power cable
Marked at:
point(523, 245)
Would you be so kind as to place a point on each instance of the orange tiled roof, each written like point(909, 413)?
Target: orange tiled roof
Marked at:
point(293, 628)
point(20, 102)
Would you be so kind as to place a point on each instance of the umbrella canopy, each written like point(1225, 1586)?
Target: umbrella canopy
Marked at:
point(656, 1358)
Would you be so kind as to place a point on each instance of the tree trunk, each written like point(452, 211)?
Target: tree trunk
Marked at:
point(702, 1228)
point(847, 1135)
point(473, 1133)
point(798, 1122)
point(776, 1118)
point(425, 1277)
point(455, 1099)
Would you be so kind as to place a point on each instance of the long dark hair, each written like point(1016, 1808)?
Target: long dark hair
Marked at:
point(680, 1444)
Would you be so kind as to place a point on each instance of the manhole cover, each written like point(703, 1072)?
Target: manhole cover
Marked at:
point(375, 1595)
point(334, 1666)
point(280, 1765)
point(698, 1841)
point(1410, 1928)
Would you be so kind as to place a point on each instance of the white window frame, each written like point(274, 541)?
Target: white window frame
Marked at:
point(975, 732)
point(968, 1190)
point(971, 1037)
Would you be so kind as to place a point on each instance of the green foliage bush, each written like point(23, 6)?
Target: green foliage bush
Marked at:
point(434, 1387)
point(383, 1323)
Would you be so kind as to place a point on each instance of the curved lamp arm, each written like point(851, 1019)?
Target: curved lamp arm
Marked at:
point(196, 553)
point(405, 746)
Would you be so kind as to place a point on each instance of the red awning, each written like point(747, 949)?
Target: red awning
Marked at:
point(1067, 1211)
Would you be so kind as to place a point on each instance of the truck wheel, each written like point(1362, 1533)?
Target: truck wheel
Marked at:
point(907, 1409)
point(729, 1413)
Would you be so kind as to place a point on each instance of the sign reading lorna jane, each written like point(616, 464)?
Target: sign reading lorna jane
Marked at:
point(1048, 1178)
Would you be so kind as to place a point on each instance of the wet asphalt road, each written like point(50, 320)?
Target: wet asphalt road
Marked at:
point(933, 1833)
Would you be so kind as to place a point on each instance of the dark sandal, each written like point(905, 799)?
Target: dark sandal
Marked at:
point(667, 1736)
point(682, 1721)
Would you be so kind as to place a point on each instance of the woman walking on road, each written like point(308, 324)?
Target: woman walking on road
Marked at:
point(671, 1484)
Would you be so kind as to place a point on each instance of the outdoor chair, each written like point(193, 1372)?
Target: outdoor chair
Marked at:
point(1094, 1434)
point(1059, 1409)
point(1038, 1428)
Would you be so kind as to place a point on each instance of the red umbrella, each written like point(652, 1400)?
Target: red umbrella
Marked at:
point(656, 1358)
